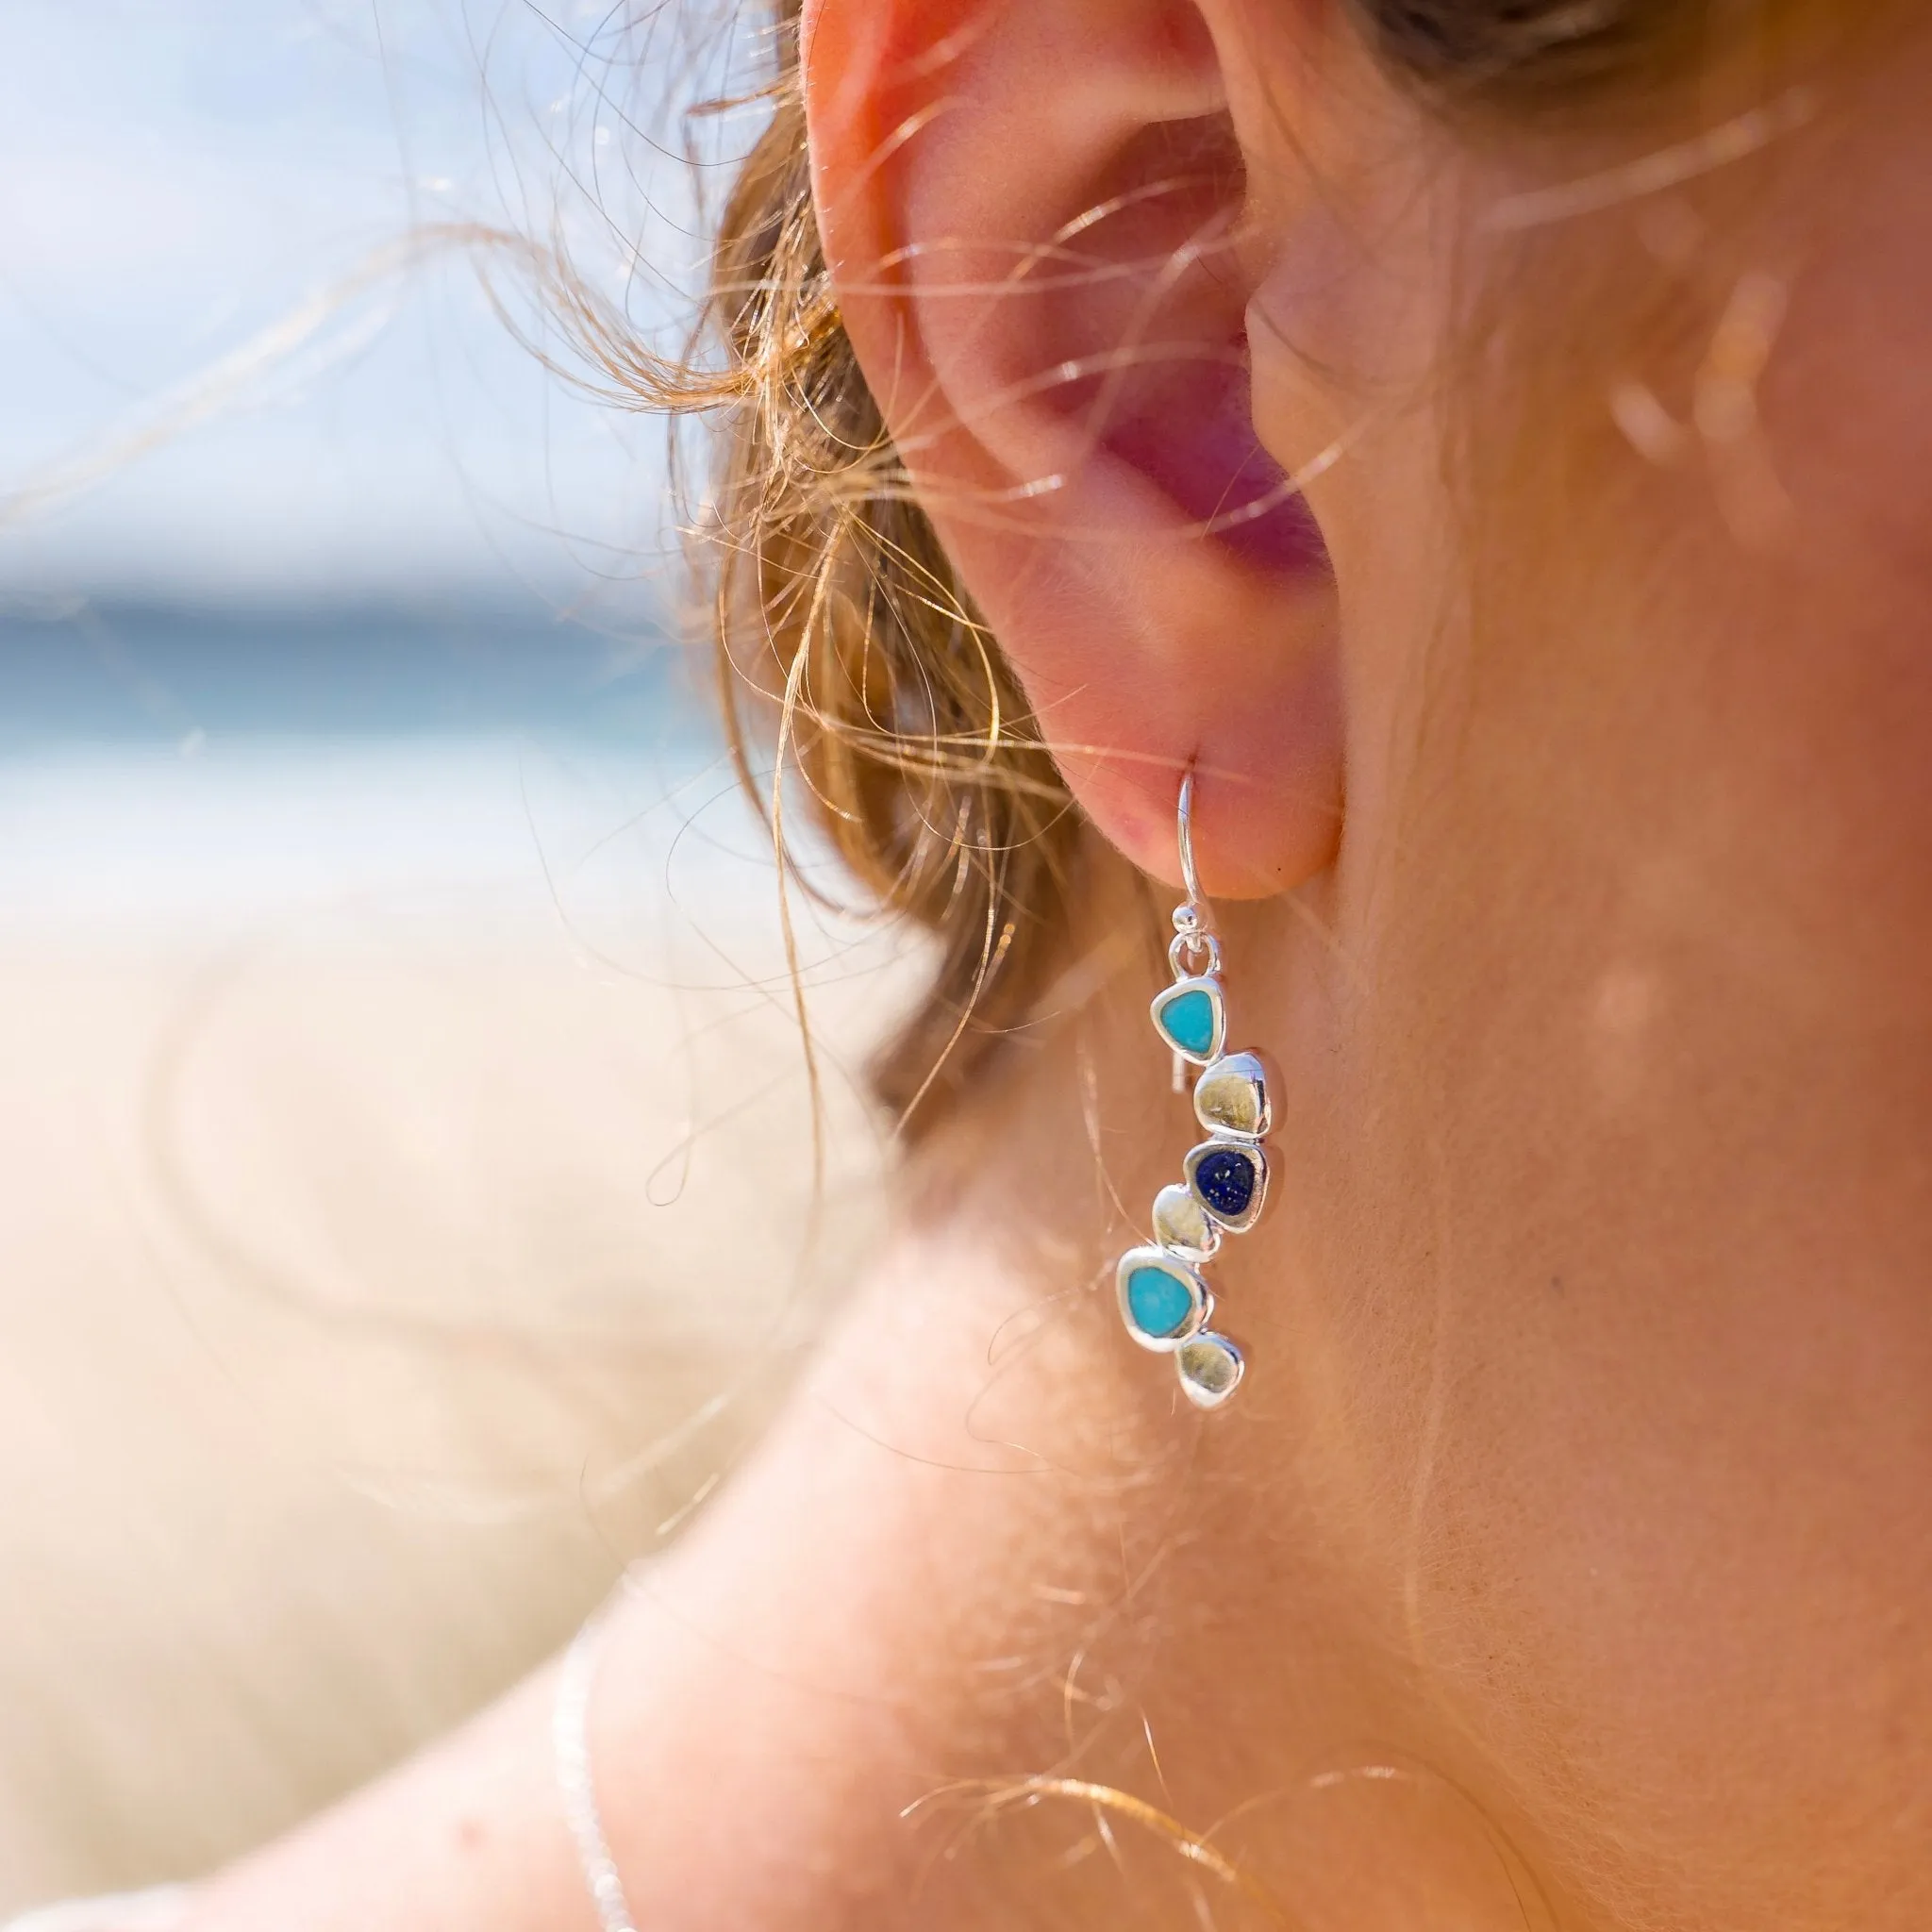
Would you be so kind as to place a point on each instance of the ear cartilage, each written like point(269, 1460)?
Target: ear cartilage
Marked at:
point(1165, 1301)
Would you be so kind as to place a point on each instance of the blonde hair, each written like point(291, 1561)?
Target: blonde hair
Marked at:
point(834, 598)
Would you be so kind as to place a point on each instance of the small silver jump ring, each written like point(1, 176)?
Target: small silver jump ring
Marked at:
point(1189, 950)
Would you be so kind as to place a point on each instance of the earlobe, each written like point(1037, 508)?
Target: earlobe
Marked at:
point(1031, 209)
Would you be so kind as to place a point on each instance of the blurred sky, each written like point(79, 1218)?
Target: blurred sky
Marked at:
point(177, 177)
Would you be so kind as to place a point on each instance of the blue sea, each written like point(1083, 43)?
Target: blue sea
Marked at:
point(170, 678)
point(197, 766)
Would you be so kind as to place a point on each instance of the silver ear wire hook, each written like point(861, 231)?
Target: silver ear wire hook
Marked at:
point(1192, 940)
point(1194, 948)
point(1190, 884)
point(1190, 877)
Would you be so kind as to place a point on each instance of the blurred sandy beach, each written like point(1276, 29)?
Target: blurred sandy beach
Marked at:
point(408, 1213)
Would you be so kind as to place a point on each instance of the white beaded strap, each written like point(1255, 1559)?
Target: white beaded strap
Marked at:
point(165, 1911)
point(571, 1736)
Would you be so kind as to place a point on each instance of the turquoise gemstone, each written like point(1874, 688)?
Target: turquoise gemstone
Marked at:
point(1189, 1023)
point(1160, 1303)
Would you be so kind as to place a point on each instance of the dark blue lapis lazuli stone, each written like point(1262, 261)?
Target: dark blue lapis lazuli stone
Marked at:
point(1226, 1181)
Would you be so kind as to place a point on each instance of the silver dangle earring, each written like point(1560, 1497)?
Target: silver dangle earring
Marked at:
point(1164, 1298)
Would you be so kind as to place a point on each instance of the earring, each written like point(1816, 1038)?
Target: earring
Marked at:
point(1164, 1298)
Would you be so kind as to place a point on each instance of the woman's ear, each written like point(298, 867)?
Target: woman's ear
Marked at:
point(1034, 212)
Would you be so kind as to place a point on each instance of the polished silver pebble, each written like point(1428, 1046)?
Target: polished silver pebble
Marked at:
point(1231, 1097)
point(1210, 1369)
point(1181, 1224)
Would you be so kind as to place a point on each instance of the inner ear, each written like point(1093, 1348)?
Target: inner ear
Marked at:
point(1154, 354)
point(1189, 430)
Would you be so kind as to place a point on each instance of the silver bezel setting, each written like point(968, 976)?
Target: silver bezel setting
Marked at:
point(1199, 1315)
point(1209, 983)
point(1231, 1143)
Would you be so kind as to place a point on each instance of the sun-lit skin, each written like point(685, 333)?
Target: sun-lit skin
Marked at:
point(1563, 1561)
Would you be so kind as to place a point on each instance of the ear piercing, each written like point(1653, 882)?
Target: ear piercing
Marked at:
point(1164, 1298)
